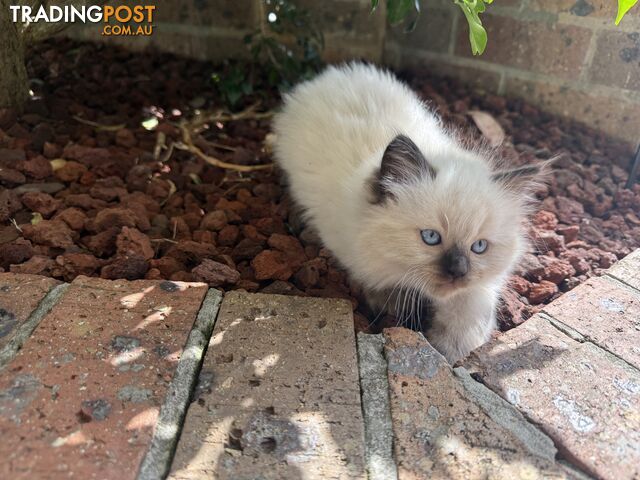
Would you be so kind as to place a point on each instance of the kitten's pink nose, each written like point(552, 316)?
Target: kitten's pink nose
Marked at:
point(455, 263)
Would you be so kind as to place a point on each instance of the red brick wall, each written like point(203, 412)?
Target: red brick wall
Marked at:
point(567, 56)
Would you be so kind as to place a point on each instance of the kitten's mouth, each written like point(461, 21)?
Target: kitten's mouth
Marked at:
point(449, 286)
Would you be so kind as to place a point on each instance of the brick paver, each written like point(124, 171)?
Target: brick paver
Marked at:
point(627, 270)
point(604, 312)
point(20, 295)
point(441, 431)
point(279, 395)
point(83, 394)
point(585, 398)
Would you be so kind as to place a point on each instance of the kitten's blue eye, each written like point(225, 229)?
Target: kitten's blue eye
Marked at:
point(479, 246)
point(430, 237)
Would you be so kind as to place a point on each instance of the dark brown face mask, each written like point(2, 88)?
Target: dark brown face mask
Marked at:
point(455, 264)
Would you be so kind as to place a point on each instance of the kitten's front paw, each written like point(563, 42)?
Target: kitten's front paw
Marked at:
point(453, 347)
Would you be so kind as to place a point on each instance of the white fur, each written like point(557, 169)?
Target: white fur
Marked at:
point(330, 138)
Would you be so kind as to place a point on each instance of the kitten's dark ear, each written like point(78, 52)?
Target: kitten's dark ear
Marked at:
point(402, 162)
point(524, 176)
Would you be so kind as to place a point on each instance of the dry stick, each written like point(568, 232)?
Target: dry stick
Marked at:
point(99, 126)
point(248, 113)
point(187, 144)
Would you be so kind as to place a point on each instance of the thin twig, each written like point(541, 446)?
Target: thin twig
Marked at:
point(15, 224)
point(163, 240)
point(99, 126)
point(160, 145)
point(187, 144)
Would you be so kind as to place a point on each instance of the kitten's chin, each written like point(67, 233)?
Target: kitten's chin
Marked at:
point(447, 289)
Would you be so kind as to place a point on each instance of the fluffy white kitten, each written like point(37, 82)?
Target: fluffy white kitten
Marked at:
point(413, 216)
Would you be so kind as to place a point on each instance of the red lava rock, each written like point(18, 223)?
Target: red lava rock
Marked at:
point(269, 226)
point(280, 287)
point(246, 249)
point(40, 202)
point(215, 274)
point(9, 204)
point(519, 285)
point(88, 156)
point(530, 267)
point(290, 246)
point(125, 138)
point(52, 233)
point(179, 229)
point(570, 232)
point(204, 236)
point(84, 201)
point(37, 167)
point(51, 150)
point(102, 244)
point(158, 189)
point(250, 232)
point(539, 292)
point(308, 276)
point(228, 236)
point(11, 177)
point(557, 270)
point(605, 259)
point(214, 221)
point(70, 265)
point(129, 267)
point(114, 217)
point(183, 277)
point(107, 193)
point(192, 219)
point(547, 241)
point(577, 259)
point(74, 217)
point(167, 266)
point(545, 220)
point(271, 264)
point(36, 265)
point(133, 241)
point(191, 253)
point(569, 210)
point(511, 310)
point(138, 177)
point(15, 252)
point(154, 274)
point(71, 172)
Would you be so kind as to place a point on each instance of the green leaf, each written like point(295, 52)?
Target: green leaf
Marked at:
point(477, 34)
point(623, 7)
point(397, 10)
point(374, 5)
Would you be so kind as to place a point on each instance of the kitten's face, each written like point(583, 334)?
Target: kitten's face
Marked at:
point(441, 231)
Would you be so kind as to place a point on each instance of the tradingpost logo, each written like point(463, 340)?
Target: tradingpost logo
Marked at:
point(115, 20)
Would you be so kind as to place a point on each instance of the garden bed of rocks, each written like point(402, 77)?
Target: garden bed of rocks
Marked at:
point(90, 185)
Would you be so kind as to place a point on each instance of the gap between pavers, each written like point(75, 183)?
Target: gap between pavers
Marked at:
point(447, 425)
point(157, 461)
point(374, 388)
point(24, 301)
point(26, 329)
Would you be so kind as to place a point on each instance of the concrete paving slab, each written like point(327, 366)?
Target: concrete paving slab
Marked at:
point(278, 395)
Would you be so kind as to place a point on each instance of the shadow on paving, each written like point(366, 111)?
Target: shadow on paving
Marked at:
point(278, 396)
